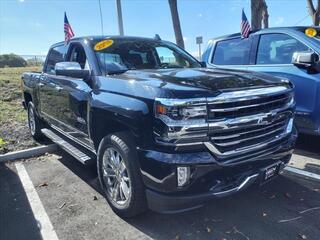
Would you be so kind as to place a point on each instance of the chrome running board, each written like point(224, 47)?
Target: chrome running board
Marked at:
point(69, 148)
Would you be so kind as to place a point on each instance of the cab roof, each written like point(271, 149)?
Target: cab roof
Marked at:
point(94, 38)
point(266, 30)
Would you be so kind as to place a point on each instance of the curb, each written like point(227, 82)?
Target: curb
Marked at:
point(27, 153)
point(302, 172)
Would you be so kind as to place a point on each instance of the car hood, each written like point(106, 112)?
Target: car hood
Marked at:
point(204, 78)
point(184, 83)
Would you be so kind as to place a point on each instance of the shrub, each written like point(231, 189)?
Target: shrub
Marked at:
point(12, 60)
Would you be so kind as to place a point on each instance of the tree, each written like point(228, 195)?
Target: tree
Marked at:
point(314, 12)
point(12, 60)
point(176, 22)
point(259, 14)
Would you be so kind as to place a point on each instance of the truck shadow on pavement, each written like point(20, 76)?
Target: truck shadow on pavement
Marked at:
point(308, 146)
point(256, 213)
point(16, 217)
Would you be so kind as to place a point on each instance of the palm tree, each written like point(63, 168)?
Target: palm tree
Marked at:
point(314, 12)
point(176, 22)
point(259, 14)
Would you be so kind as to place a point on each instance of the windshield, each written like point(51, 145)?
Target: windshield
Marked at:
point(144, 54)
point(317, 35)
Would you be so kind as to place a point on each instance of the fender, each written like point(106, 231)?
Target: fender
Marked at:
point(111, 112)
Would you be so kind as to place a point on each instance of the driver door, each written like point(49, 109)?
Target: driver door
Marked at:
point(73, 98)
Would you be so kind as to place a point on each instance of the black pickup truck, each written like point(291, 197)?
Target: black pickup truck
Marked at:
point(165, 132)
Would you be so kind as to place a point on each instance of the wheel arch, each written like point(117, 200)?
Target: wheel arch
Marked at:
point(110, 112)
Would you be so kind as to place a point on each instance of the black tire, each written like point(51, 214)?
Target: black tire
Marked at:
point(125, 145)
point(36, 126)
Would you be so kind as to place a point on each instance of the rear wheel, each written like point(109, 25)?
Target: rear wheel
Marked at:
point(35, 124)
point(119, 174)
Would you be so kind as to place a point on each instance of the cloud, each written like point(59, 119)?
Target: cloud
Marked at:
point(232, 9)
point(35, 24)
point(279, 21)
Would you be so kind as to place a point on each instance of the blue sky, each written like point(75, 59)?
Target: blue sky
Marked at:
point(31, 26)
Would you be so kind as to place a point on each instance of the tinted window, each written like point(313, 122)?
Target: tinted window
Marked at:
point(232, 52)
point(278, 49)
point(170, 58)
point(56, 55)
point(78, 55)
point(144, 54)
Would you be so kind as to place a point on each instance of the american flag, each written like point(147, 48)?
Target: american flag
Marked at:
point(245, 26)
point(68, 33)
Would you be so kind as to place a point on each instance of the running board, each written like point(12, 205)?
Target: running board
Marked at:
point(71, 149)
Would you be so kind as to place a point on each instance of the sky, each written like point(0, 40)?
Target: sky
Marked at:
point(29, 27)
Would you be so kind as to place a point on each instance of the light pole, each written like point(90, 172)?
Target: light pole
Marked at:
point(119, 12)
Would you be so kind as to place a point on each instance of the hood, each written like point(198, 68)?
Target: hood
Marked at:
point(204, 78)
point(184, 83)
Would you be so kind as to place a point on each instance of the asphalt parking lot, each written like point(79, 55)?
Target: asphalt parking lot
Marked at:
point(286, 208)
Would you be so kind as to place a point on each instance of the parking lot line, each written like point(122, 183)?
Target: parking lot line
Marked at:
point(302, 172)
point(46, 228)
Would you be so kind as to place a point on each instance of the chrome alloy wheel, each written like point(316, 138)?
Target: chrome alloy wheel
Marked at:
point(31, 120)
point(115, 176)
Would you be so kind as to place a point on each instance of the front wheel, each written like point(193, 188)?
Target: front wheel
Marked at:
point(119, 174)
point(35, 124)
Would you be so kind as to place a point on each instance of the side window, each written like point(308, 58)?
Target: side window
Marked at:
point(170, 58)
point(232, 52)
point(77, 54)
point(56, 55)
point(278, 49)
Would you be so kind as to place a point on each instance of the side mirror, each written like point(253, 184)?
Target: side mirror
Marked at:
point(71, 69)
point(308, 60)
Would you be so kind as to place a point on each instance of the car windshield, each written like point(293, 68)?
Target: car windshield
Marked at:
point(316, 37)
point(142, 54)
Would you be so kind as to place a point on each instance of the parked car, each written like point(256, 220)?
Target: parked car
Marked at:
point(287, 52)
point(165, 132)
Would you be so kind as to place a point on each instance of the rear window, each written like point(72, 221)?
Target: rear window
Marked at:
point(232, 52)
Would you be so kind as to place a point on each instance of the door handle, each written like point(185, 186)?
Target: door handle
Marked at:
point(40, 84)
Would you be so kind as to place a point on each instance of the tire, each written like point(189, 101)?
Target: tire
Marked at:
point(129, 200)
point(34, 123)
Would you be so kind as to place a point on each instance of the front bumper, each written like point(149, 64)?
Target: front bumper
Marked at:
point(209, 178)
point(179, 203)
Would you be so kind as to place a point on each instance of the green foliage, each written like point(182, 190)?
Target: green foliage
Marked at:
point(2, 142)
point(34, 62)
point(12, 60)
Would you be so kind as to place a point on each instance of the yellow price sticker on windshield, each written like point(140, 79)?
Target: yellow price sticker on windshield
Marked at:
point(310, 32)
point(103, 44)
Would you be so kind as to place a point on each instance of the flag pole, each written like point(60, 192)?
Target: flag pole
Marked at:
point(120, 22)
point(101, 19)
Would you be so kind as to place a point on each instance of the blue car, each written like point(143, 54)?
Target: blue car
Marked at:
point(288, 52)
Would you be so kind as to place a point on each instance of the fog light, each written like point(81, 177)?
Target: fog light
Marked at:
point(289, 126)
point(183, 174)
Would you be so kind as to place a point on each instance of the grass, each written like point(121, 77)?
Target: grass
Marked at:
point(13, 118)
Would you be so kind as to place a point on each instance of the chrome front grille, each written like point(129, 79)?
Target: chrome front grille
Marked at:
point(239, 108)
point(250, 135)
point(242, 124)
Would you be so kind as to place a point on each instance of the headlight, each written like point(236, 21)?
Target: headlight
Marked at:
point(180, 121)
point(181, 110)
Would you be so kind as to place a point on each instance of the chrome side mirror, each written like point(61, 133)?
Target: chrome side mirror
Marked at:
point(308, 60)
point(71, 69)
